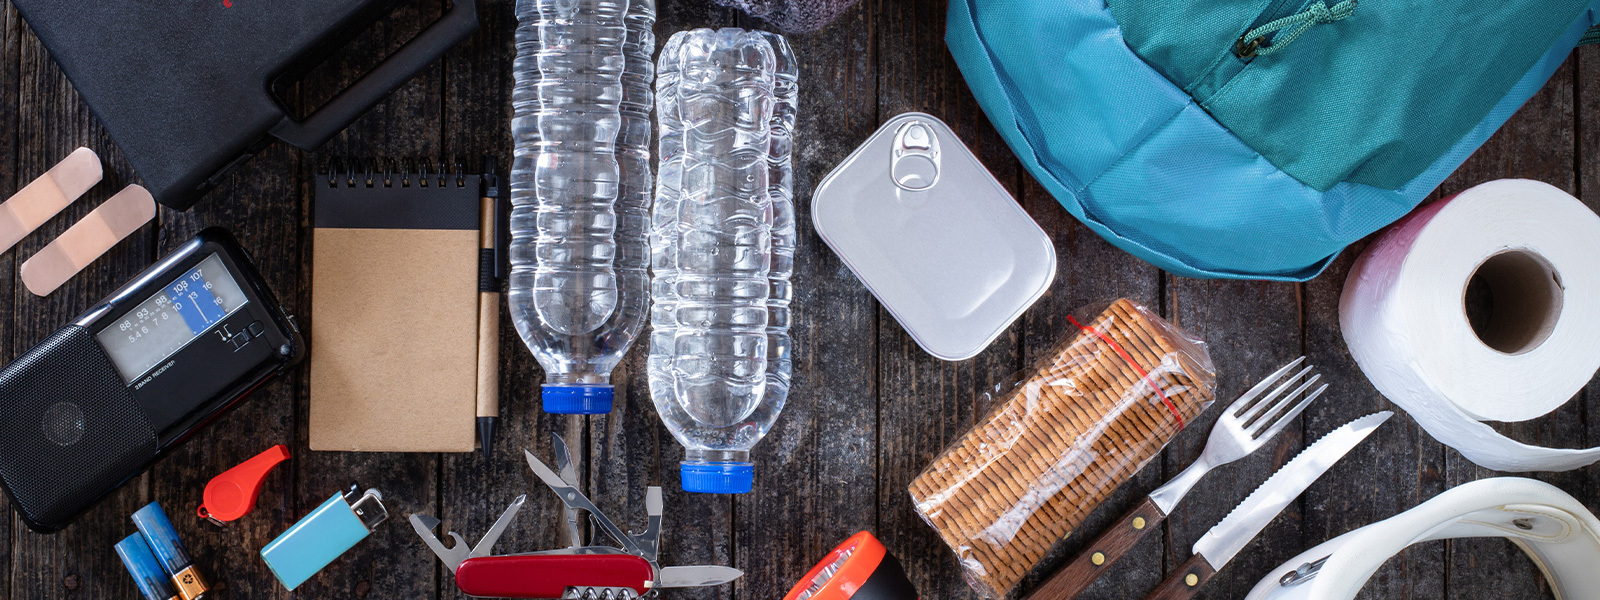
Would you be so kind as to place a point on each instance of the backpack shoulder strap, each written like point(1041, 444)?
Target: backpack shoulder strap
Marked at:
point(1590, 37)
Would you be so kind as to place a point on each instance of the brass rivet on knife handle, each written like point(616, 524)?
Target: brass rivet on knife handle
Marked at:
point(1186, 581)
point(1100, 554)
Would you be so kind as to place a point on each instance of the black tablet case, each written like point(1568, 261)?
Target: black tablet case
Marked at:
point(184, 86)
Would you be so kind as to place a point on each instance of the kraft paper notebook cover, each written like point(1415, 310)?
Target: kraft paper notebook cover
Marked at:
point(394, 312)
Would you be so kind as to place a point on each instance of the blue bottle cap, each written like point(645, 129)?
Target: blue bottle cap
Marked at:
point(717, 477)
point(577, 399)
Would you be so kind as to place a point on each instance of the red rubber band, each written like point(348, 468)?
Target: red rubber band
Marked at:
point(1145, 376)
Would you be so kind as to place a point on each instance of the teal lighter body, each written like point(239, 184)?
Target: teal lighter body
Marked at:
point(313, 542)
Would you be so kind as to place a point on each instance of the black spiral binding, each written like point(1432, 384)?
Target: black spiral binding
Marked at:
point(354, 172)
point(393, 172)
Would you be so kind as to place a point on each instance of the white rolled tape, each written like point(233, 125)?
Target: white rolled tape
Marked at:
point(1556, 530)
point(1527, 253)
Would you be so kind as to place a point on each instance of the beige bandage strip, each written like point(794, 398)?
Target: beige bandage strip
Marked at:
point(87, 239)
point(35, 203)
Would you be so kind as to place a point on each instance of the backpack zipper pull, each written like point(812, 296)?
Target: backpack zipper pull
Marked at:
point(1252, 44)
point(1246, 49)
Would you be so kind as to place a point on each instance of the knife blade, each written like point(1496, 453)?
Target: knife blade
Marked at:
point(1229, 536)
point(696, 576)
point(486, 544)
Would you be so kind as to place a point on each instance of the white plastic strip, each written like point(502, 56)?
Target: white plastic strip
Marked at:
point(1529, 251)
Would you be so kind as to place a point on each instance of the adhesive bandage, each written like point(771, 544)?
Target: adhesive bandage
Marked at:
point(57, 188)
point(87, 239)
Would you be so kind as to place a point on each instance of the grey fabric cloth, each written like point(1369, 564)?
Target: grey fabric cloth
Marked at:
point(792, 16)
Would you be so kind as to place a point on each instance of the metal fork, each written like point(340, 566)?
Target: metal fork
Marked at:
point(1243, 428)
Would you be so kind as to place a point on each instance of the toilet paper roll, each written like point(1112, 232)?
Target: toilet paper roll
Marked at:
point(1482, 307)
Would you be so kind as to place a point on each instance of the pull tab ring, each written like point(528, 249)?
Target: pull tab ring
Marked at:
point(915, 166)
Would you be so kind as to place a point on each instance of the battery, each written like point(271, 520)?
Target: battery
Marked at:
point(169, 551)
point(147, 573)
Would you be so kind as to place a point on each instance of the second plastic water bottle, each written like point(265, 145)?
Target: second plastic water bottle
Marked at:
point(722, 246)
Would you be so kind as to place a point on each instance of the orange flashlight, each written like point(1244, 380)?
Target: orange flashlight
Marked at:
point(859, 569)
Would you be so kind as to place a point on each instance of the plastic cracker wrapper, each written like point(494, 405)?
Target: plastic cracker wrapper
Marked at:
point(1057, 443)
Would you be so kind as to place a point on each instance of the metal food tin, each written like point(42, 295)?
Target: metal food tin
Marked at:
point(933, 236)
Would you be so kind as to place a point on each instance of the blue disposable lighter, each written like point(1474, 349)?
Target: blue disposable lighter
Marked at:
point(163, 539)
point(141, 564)
point(323, 535)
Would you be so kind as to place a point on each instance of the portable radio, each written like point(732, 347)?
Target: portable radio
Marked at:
point(98, 401)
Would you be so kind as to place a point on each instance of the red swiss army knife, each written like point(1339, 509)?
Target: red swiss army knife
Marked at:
point(577, 572)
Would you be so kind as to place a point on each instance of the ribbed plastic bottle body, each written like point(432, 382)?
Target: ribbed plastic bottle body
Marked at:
point(579, 289)
point(712, 251)
point(663, 223)
point(780, 190)
point(635, 179)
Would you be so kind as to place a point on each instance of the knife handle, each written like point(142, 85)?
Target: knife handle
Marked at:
point(549, 575)
point(1186, 581)
point(1097, 557)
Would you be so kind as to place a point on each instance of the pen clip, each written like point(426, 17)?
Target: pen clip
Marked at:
point(502, 217)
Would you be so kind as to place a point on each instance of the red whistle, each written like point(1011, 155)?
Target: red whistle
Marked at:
point(233, 493)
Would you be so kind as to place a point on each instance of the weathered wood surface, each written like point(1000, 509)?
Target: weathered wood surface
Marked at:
point(869, 408)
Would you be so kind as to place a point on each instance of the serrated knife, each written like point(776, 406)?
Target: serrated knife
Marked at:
point(1228, 537)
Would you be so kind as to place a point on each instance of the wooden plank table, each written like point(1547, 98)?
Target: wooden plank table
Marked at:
point(869, 409)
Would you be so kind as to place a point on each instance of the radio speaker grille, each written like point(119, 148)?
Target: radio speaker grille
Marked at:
point(70, 432)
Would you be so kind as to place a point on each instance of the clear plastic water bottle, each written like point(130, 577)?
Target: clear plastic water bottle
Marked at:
point(712, 244)
point(578, 288)
point(636, 181)
point(780, 189)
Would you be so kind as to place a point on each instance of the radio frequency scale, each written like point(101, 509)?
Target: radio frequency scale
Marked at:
point(100, 400)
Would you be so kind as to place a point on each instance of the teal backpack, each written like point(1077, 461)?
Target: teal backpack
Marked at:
point(1253, 139)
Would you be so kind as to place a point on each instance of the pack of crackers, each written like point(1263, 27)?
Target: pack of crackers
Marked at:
point(1077, 425)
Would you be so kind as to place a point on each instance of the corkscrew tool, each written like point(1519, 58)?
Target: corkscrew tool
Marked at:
point(573, 573)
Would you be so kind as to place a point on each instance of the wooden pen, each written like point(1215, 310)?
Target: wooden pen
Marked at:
point(489, 265)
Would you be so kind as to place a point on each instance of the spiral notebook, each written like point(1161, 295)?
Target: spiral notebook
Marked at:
point(394, 311)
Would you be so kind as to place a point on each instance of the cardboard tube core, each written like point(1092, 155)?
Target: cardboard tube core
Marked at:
point(1513, 301)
